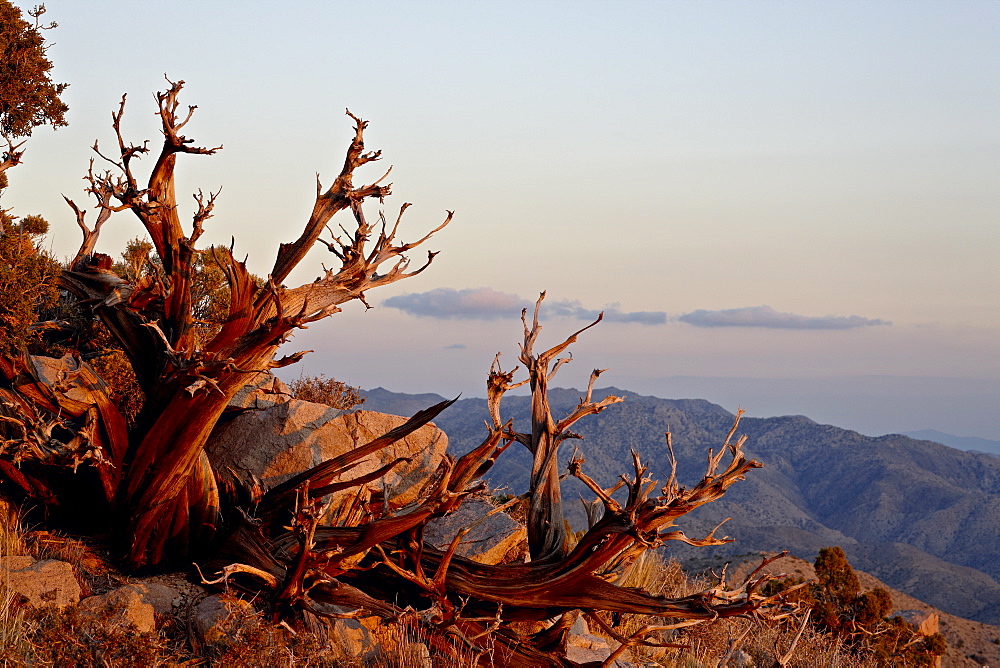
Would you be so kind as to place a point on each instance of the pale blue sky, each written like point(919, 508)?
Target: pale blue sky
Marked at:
point(824, 159)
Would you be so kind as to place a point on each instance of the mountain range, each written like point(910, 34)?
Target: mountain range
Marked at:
point(919, 515)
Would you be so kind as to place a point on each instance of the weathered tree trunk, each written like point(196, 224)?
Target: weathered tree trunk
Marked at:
point(162, 484)
point(546, 523)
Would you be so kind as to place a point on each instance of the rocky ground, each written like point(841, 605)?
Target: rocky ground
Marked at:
point(54, 575)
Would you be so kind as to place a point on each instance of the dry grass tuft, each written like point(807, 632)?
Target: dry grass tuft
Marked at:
point(407, 644)
point(322, 390)
point(14, 643)
point(10, 531)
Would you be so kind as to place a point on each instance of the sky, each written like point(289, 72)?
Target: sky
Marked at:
point(786, 206)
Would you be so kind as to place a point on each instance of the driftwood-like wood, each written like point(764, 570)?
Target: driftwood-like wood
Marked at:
point(321, 543)
point(546, 523)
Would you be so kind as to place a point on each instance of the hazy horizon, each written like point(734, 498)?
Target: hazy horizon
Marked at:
point(756, 191)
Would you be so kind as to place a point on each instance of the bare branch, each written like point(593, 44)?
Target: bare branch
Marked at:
point(576, 470)
point(203, 213)
point(339, 196)
point(12, 156)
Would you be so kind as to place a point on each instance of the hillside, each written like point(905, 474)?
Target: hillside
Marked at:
point(921, 516)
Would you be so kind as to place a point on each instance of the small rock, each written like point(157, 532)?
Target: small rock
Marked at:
point(212, 614)
point(579, 627)
point(350, 636)
point(170, 593)
point(927, 623)
point(127, 604)
point(40, 583)
point(589, 641)
point(580, 655)
point(584, 648)
point(162, 597)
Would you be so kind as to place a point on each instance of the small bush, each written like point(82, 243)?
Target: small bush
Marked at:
point(322, 390)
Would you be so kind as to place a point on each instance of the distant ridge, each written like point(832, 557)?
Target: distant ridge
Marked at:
point(921, 516)
point(967, 443)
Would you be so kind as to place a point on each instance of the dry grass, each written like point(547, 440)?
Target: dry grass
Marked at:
point(760, 642)
point(10, 531)
point(248, 640)
point(70, 638)
point(322, 390)
point(15, 644)
point(407, 644)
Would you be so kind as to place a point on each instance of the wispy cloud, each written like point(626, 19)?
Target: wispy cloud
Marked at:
point(488, 304)
point(451, 304)
point(456, 346)
point(765, 316)
point(573, 309)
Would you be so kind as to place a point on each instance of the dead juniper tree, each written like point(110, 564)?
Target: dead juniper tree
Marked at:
point(373, 560)
point(155, 478)
point(316, 546)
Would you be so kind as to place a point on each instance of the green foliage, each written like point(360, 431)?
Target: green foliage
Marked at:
point(935, 644)
point(136, 260)
point(837, 580)
point(28, 97)
point(33, 226)
point(871, 607)
point(859, 619)
point(209, 287)
point(209, 296)
point(123, 388)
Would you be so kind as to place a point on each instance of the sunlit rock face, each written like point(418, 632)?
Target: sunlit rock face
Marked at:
point(276, 437)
